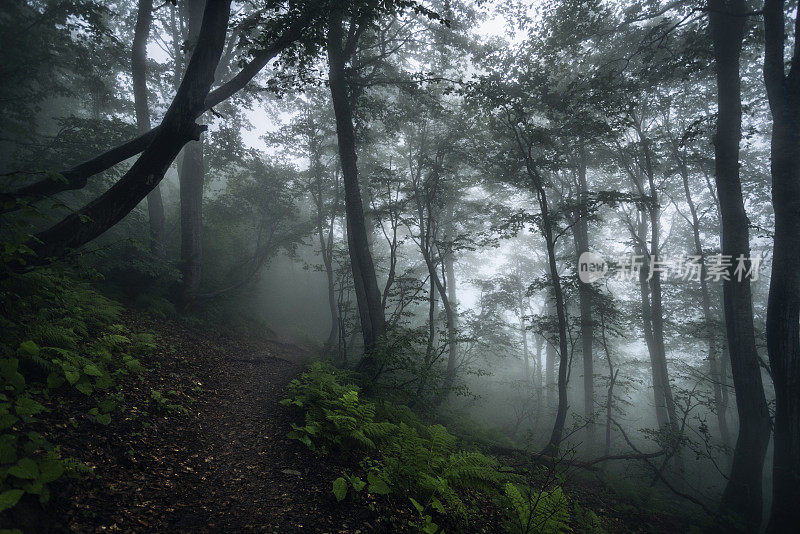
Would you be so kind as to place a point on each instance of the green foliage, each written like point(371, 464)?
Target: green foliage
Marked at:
point(163, 403)
point(586, 521)
point(545, 512)
point(340, 489)
point(60, 338)
point(155, 305)
point(406, 456)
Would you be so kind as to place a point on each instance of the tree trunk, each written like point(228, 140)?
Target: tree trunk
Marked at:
point(561, 411)
point(657, 316)
point(368, 297)
point(191, 175)
point(176, 129)
point(714, 363)
point(581, 234)
point(783, 305)
point(659, 399)
point(612, 380)
point(155, 205)
point(430, 348)
point(523, 332)
point(452, 312)
point(537, 372)
point(742, 495)
point(326, 248)
point(550, 371)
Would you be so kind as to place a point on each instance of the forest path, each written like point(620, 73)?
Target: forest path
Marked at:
point(224, 466)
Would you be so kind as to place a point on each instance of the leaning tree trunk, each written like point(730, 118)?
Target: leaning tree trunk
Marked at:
point(155, 205)
point(77, 176)
point(368, 296)
point(742, 495)
point(783, 305)
point(176, 129)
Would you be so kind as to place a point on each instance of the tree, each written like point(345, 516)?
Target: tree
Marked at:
point(370, 307)
point(783, 307)
point(177, 128)
point(742, 495)
point(155, 205)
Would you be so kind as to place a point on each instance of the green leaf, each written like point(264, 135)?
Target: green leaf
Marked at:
point(72, 376)
point(103, 418)
point(92, 370)
point(29, 348)
point(18, 381)
point(10, 498)
point(107, 405)
point(340, 489)
point(8, 452)
point(437, 505)
point(50, 469)
point(377, 484)
point(7, 420)
point(8, 367)
point(54, 381)
point(417, 505)
point(84, 387)
point(26, 407)
point(357, 483)
point(25, 468)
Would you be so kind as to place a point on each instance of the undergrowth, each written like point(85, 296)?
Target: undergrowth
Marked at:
point(419, 464)
point(60, 339)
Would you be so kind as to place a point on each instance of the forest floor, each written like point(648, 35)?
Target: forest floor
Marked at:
point(201, 446)
point(212, 457)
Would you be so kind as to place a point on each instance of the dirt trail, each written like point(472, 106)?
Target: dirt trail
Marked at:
point(225, 466)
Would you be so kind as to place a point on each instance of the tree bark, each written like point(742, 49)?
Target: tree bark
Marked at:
point(155, 205)
point(451, 309)
point(550, 367)
point(368, 297)
point(523, 332)
point(659, 399)
point(558, 295)
point(177, 128)
point(191, 176)
point(742, 495)
point(655, 285)
point(783, 305)
point(77, 176)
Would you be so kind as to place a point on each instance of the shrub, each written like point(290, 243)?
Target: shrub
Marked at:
point(59, 335)
point(401, 455)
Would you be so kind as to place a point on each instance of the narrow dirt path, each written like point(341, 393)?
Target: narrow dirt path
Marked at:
point(225, 465)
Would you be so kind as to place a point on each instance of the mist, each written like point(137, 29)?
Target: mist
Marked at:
point(423, 266)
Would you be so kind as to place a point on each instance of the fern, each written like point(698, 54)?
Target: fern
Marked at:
point(56, 332)
point(544, 512)
point(421, 461)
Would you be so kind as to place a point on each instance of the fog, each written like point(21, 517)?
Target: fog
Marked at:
point(566, 231)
